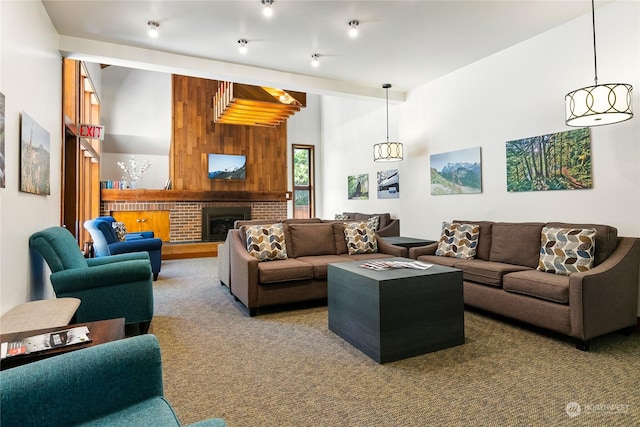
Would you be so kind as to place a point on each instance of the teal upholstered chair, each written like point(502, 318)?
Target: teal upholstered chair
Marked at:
point(108, 287)
point(113, 384)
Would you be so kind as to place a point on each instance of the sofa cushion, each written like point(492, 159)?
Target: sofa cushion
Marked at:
point(606, 238)
point(339, 238)
point(458, 240)
point(320, 263)
point(266, 242)
point(311, 239)
point(538, 284)
point(364, 257)
point(484, 240)
point(516, 243)
point(440, 260)
point(566, 250)
point(487, 272)
point(284, 270)
point(361, 239)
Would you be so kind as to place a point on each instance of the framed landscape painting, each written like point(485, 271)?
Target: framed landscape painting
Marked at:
point(556, 161)
point(358, 187)
point(389, 184)
point(456, 172)
point(34, 157)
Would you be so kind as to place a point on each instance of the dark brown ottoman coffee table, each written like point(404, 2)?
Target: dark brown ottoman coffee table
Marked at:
point(395, 314)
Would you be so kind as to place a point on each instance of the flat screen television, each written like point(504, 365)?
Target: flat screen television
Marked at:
point(227, 166)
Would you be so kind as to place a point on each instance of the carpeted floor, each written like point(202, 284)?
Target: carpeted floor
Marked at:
point(287, 369)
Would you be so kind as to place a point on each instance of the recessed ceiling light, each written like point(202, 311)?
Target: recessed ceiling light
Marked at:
point(315, 61)
point(243, 46)
point(153, 29)
point(353, 28)
point(267, 11)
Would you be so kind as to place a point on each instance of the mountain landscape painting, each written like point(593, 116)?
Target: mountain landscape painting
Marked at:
point(456, 172)
point(34, 157)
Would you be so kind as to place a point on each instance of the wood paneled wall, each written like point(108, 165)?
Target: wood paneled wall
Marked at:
point(195, 136)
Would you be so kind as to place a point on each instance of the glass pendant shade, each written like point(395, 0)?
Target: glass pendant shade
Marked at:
point(599, 105)
point(387, 152)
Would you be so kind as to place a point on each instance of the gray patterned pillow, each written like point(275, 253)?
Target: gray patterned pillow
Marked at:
point(341, 217)
point(266, 242)
point(458, 240)
point(360, 237)
point(120, 230)
point(374, 222)
point(566, 250)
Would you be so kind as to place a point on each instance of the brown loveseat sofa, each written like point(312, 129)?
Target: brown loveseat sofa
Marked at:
point(311, 245)
point(503, 279)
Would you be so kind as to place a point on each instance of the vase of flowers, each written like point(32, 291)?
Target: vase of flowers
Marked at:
point(133, 172)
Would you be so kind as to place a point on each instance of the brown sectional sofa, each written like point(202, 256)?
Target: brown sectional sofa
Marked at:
point(311, 245)
point(503, 279)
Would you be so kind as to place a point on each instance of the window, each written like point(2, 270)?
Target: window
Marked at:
point(303, 182)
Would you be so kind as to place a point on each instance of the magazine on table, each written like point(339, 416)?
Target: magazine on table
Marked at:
point(388, 265)
point(48, 341)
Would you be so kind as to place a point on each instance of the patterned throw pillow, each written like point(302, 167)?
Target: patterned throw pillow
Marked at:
point(266, 242)
point(458, 240)
point(361, 238)
point(341, 217)
point(120, 229)
point(373, 222)
point(566, 250)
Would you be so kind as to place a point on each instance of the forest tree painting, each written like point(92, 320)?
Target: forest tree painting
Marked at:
point(557, 161)
point(358, 187)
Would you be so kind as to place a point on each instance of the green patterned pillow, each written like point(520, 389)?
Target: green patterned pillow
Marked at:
point(266, 242)
point(566, 250)
point(360, 237)
point(458, 240)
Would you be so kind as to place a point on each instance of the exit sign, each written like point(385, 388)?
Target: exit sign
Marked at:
point(92, 132)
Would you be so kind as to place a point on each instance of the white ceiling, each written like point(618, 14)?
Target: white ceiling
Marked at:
point(405, 43)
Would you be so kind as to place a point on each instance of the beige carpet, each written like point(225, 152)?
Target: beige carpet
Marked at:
point(287, 369)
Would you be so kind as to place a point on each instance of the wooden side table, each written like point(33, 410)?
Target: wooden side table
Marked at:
point(100, 332)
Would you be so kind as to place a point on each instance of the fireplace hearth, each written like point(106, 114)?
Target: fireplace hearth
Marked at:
point(216, 222)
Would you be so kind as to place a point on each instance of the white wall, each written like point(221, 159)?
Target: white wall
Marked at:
point(350, 128)
point(30, 79)
point(516, 93)
point(304, 127)
point(155, 176)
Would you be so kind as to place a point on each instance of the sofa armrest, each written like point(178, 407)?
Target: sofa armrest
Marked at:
point(605, 298)
point(82, 385)
point(244, 270)
point(429, 249)
point(84, 279)
point(391, 230)
point(92, 262)
point(224, 263)
point(387, 248)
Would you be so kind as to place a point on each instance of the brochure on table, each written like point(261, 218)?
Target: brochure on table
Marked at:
point(48, 341)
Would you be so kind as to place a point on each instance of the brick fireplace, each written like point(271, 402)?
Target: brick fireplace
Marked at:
point(217, 221)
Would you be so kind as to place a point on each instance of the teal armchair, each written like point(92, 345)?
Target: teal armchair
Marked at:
point(108, 287)
point(113, 384)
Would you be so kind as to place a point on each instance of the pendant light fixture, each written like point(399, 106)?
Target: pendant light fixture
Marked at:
point(387, 151)
point(599, 104)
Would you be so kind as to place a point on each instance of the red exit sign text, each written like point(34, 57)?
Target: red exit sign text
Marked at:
point(92, 132)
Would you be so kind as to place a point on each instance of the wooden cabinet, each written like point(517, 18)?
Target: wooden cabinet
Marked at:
point(135, 221)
